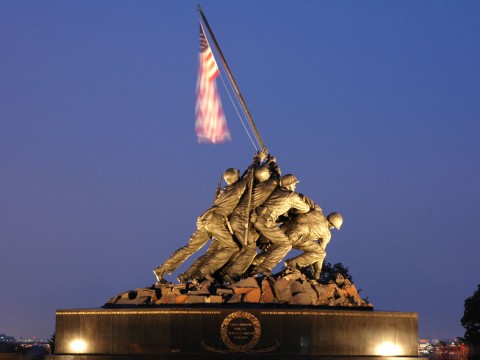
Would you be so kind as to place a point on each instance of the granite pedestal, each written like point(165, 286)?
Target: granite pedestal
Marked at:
point(234, 332)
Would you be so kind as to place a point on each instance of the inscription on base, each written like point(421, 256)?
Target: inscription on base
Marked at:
point(240, 331)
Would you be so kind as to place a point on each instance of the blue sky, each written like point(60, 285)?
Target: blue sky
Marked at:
point(373, 105)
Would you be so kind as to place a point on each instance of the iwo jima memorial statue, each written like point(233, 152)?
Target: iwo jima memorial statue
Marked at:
point(228, 303)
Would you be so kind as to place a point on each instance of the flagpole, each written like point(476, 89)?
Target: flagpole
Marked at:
point(237, 90)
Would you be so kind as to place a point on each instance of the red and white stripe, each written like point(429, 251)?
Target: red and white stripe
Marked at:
point(210, 122)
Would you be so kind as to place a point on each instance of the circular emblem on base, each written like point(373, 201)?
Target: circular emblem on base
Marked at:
point(240, 331)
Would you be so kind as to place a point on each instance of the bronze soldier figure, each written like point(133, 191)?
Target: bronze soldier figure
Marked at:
point(281, 201)
point(212, 223)
point(205, 266)
point(267, 179)
point(310, 233)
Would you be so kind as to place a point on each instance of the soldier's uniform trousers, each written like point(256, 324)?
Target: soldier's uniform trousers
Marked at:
point(244, 257)
point(213, 225)
point(312, 252)
point(280, 246)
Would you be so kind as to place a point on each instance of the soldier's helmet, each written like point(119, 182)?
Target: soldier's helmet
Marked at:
point(335, 219)
point(262, 173)
point(231, 175)
point(288, 180)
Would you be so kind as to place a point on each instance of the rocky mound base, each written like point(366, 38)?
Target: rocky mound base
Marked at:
point(293, 289)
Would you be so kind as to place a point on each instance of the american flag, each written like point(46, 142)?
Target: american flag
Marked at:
point(210, 122)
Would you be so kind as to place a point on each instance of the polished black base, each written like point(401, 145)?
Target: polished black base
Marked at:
point(226, 332)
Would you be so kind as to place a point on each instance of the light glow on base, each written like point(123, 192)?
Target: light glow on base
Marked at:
point(388, 349)
point(78, 346)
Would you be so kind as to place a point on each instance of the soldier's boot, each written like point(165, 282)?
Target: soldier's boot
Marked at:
point(316, 275)
point(201, 276)
point(250, 270)
point(159, 272)
point(261, 271)
point(291, 266)
point(183, 278)
point(229, 279)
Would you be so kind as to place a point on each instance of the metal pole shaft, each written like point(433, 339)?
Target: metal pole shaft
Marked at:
point(237, 90)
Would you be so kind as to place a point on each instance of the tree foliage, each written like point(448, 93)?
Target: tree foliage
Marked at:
point(51, 342)
point(471, 321)
point(329, 271)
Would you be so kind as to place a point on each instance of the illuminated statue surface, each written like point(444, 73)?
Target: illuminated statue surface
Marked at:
point(259, 209)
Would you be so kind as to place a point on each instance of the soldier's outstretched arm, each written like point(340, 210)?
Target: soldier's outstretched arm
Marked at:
point(274, 168)
point(299, 203)
point(308, 200)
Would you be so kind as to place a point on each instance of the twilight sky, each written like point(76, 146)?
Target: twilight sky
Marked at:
point(374, 105)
